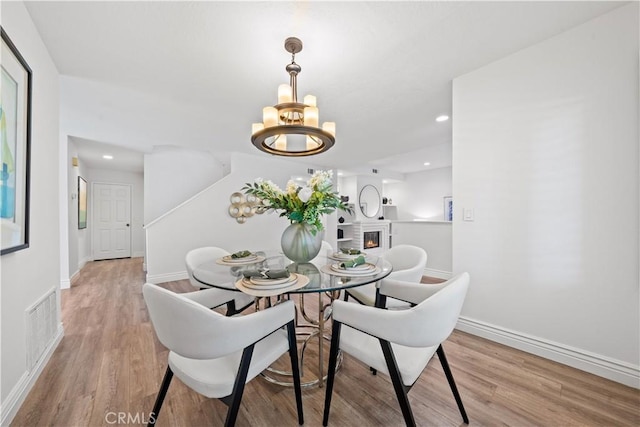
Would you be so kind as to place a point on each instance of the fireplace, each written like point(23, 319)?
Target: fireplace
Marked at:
point(371, 239)
point(371, 236)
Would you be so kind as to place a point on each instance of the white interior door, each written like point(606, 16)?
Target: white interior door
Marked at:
point(111, 221)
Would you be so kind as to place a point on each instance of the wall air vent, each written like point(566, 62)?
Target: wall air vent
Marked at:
point(42, 326)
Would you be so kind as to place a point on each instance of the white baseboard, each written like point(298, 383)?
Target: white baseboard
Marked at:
point(64, 284)
point(19, 392)
point(138, 254)
point(606, 367)
point(167, 277)
point(438, 274)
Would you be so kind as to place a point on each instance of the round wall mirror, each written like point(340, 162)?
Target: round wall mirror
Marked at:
point(369, 201)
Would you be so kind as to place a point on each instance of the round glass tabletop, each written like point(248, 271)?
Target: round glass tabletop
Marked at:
point(322, 272)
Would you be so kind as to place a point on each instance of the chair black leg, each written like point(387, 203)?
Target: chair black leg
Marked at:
point(238, 386)
point(381, 300)
point(452, 383)
point(295, 369)
point(166, 381)
point(333, 361)
point(231, 308)
point(398, 386)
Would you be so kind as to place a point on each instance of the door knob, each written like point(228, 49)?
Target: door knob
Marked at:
point(127, 225)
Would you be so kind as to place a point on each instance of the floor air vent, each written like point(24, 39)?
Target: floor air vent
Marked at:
point(42, 324)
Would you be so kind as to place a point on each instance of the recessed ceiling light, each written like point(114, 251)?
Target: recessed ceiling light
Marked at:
point(427, 163)
point(107, 156)
point(384, 181)
point(442, 118)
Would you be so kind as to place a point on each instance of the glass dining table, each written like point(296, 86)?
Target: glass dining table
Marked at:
point(325, 279)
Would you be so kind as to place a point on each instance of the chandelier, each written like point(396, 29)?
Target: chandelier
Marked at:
point(291, 128)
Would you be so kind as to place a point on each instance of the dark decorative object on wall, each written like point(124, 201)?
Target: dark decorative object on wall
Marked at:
point(340, 233)
point(384, 200)
point(15, 138)
point(341, 220)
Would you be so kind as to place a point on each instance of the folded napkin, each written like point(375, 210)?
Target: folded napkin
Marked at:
point(353, 263)
point(266, 274)
point(240, 254)
point(350, 251)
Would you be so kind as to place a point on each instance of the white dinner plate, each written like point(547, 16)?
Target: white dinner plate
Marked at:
point(343, 256)
point(365, 268)
point(348, 273)
point(241, 261)
point(265, 282)
point(229, 258)
point(260, 290)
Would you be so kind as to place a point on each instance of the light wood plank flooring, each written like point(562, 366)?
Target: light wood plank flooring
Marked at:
point(110, 362)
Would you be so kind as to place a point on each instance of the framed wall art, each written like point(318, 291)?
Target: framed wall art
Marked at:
point(15, 138)
point(82, 203)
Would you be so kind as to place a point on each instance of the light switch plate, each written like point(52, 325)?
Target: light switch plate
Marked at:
point(468, 214)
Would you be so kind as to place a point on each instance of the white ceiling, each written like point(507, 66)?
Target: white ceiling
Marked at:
point(197, 74)
point(123, 159)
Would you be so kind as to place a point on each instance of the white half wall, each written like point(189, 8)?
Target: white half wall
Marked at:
point(204, 219)
point(545, 152)
point(432, 236)
point(175, 174)
point(29, 274)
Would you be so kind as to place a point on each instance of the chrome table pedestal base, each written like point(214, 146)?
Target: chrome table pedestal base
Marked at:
point(305, 331)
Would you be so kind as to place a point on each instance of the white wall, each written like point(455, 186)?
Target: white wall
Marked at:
point(352, 185)
point(421, 194)
point(29, 274)
point(545, 150)
point(204, 220)
point(173, 175)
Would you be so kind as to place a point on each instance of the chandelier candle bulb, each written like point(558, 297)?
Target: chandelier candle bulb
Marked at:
point(310, 101)
point(285, 94)
point(269, 116)
point(256, 127)
point(329, 127)
point(311, 116)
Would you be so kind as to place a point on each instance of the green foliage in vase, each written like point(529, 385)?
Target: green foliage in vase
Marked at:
point(301, 204)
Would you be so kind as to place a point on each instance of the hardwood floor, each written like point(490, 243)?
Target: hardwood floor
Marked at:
point(108, 368)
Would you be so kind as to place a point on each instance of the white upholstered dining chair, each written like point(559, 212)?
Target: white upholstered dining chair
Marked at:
point(235, 301)
point(216, 355)
point(408, 263)
point(399, 343)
